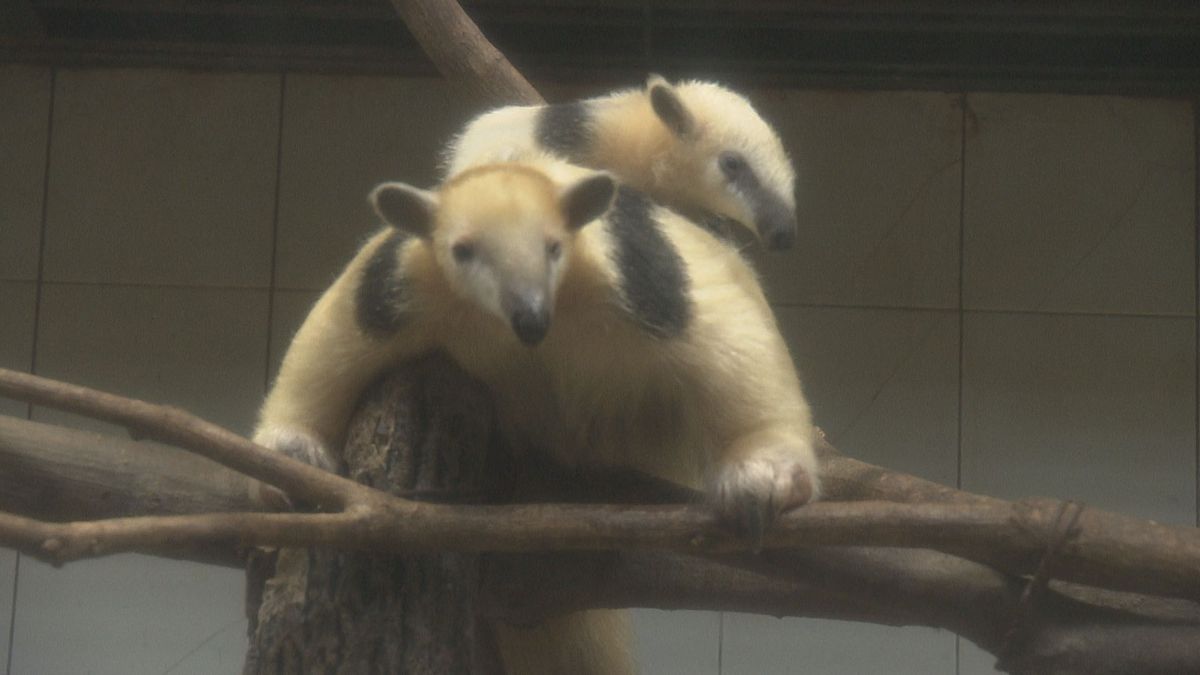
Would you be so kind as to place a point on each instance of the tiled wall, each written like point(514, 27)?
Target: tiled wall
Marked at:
point(997, 290)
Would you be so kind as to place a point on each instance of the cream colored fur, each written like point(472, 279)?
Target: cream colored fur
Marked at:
point(633, 143)
point(720, 406)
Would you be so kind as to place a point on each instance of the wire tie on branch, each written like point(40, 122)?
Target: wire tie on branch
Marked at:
point(1064, 530)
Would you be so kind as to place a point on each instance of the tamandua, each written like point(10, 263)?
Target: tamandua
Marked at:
point(696, 147)
point(611, 331)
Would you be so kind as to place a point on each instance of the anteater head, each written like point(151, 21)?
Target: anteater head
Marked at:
point(725, 158)
point(501, 234)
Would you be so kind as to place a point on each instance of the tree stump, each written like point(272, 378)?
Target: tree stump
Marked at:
point(426, 431)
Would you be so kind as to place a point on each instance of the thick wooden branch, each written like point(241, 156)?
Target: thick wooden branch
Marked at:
point(1108, 550)
point(462, 54)
point(839, 580)
point(59, 474)
point(1111, 551)
point(180, 428)
point(323, 610)
point(1074, 630)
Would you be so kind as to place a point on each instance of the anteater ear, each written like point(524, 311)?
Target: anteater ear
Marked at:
point(586, 200)
point(669, 107)
point(405, 207)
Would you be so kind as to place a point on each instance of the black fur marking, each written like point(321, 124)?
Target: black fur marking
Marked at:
point(746, 179)
point(671, 111)
point(383, 292)
point(773, 219)
point(653, 277)
point(564, 128)
point(717, 225)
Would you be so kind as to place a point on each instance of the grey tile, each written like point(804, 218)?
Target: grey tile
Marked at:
point(1079, 204)
point(878, 183)
point(24, 122)
point(341, 137)
point(1098, 409)
point(289, 311)
point(201, 349)
point(760, 645)
point(17, 300)
point(162, 177)
point(676, 642)
point(882, 383)
point(129, 614)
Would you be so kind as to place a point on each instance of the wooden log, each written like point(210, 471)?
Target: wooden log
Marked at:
point(424, 432)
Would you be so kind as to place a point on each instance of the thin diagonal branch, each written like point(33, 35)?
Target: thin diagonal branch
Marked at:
point(178, 427)
point(462, 54)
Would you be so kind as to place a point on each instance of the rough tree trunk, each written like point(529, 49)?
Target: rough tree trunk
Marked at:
point(424, 432)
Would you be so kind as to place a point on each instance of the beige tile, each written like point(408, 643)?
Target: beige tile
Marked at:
point(878, 183)
point(162, 177)
point(762, 645)
point(201, 349)
point(1080, 204)
point(17, 301)
point(24, 119)
point(341, 137)
point(882, 383)
point(676, 642)
point(1097, 409)
point(289, 311)
point(129, 614)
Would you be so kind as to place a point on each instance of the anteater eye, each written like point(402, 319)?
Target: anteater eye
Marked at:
point(462, 252)
point(731, 164)
point(553, 249)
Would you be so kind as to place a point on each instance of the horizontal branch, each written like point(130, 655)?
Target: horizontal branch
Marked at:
point(1123, 554)
point(178, 427)
point(1096, 635)
point(60, 474)
point(898, 586)
point(1109, 550)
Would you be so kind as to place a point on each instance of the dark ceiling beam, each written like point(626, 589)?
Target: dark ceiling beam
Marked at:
point(315, 9)
point(1098, 46)
point(18, 19)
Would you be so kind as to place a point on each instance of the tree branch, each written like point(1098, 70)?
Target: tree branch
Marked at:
point(1075, 630)
point(1108, 550)
point(462, 54)
point(180, 428)
point(828, 576)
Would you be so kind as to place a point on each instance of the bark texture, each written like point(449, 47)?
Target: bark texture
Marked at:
point(461, 52)
point(423, 433)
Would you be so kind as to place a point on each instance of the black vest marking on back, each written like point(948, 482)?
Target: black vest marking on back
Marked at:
point(383, 292)
point(563, 128)
point(654, 280)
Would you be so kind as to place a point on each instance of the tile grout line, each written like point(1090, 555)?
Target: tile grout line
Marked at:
point(33, 348)
point(720, 643)
point(962, 219)
point(274, 232)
